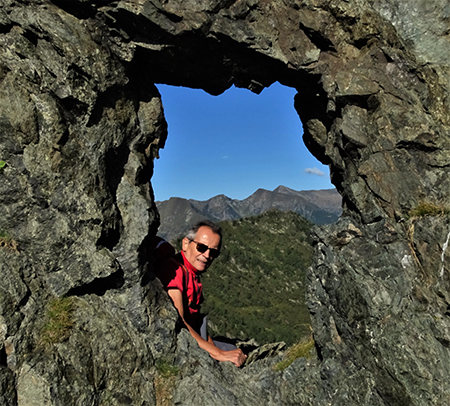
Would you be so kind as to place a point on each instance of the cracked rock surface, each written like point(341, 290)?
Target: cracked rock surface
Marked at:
point(81, 122)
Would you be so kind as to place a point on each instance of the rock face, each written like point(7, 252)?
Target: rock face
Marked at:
point(80, 124)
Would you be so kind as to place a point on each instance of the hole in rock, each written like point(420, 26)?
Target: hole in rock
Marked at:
point(3, 357)
point(99, 286)
point(220, 152)
point(233, 144)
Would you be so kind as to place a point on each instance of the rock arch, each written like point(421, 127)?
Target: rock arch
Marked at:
point(81, 121)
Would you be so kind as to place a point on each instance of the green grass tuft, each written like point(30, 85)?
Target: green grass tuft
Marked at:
point(164, 382)
point(6, 241)
point(303, 349)
point(425, 209)
point(2, 165)
point(167, 370)
point(60, 320)
point(5, 235)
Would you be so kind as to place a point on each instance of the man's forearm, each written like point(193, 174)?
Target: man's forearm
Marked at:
point(237, 357)
point(207, 345)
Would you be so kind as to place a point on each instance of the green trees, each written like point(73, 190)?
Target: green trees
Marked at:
point(255, 289)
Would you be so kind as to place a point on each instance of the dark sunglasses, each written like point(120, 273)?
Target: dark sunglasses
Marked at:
point(202, 248)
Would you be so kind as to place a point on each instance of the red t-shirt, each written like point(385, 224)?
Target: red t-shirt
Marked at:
point(174, 276)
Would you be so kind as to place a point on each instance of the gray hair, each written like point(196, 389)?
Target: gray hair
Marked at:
point(215, 228)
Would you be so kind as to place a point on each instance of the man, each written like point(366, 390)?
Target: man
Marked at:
point(181, 277)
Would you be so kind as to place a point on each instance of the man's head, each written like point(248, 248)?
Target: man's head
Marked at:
point(202, 244)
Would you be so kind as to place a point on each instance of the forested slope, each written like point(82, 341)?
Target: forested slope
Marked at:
point(255, 289)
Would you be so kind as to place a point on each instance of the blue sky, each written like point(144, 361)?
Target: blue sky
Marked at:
point(233, 144)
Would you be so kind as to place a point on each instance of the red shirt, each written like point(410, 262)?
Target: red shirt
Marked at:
point(174, 276)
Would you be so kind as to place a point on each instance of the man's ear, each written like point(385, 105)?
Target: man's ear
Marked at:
point(184, 244)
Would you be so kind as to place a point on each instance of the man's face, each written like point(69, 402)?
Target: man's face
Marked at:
point(201, 261)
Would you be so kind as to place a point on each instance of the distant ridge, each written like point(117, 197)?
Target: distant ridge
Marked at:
point(178, 214)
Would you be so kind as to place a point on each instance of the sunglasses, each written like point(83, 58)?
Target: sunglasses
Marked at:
point(202, 248)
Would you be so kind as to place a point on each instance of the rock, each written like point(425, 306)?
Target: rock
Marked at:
point(80, 124)
point(265, 351)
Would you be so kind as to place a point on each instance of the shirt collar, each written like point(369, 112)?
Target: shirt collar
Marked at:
point(189, 266)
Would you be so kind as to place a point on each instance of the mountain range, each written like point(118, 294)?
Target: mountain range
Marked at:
point(178, 214)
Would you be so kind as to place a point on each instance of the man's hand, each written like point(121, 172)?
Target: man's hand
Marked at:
point(237, 357)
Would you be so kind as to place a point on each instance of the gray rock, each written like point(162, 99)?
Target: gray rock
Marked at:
point(80, 124)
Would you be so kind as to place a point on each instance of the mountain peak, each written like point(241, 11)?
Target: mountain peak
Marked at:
point(284, 189)
point(316, 206)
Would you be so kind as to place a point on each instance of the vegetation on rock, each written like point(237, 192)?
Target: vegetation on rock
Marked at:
point(165, 382)
point(6, 241)
point(303, 349)
point(60, 320)
point(166, 369)
point(425, 209)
